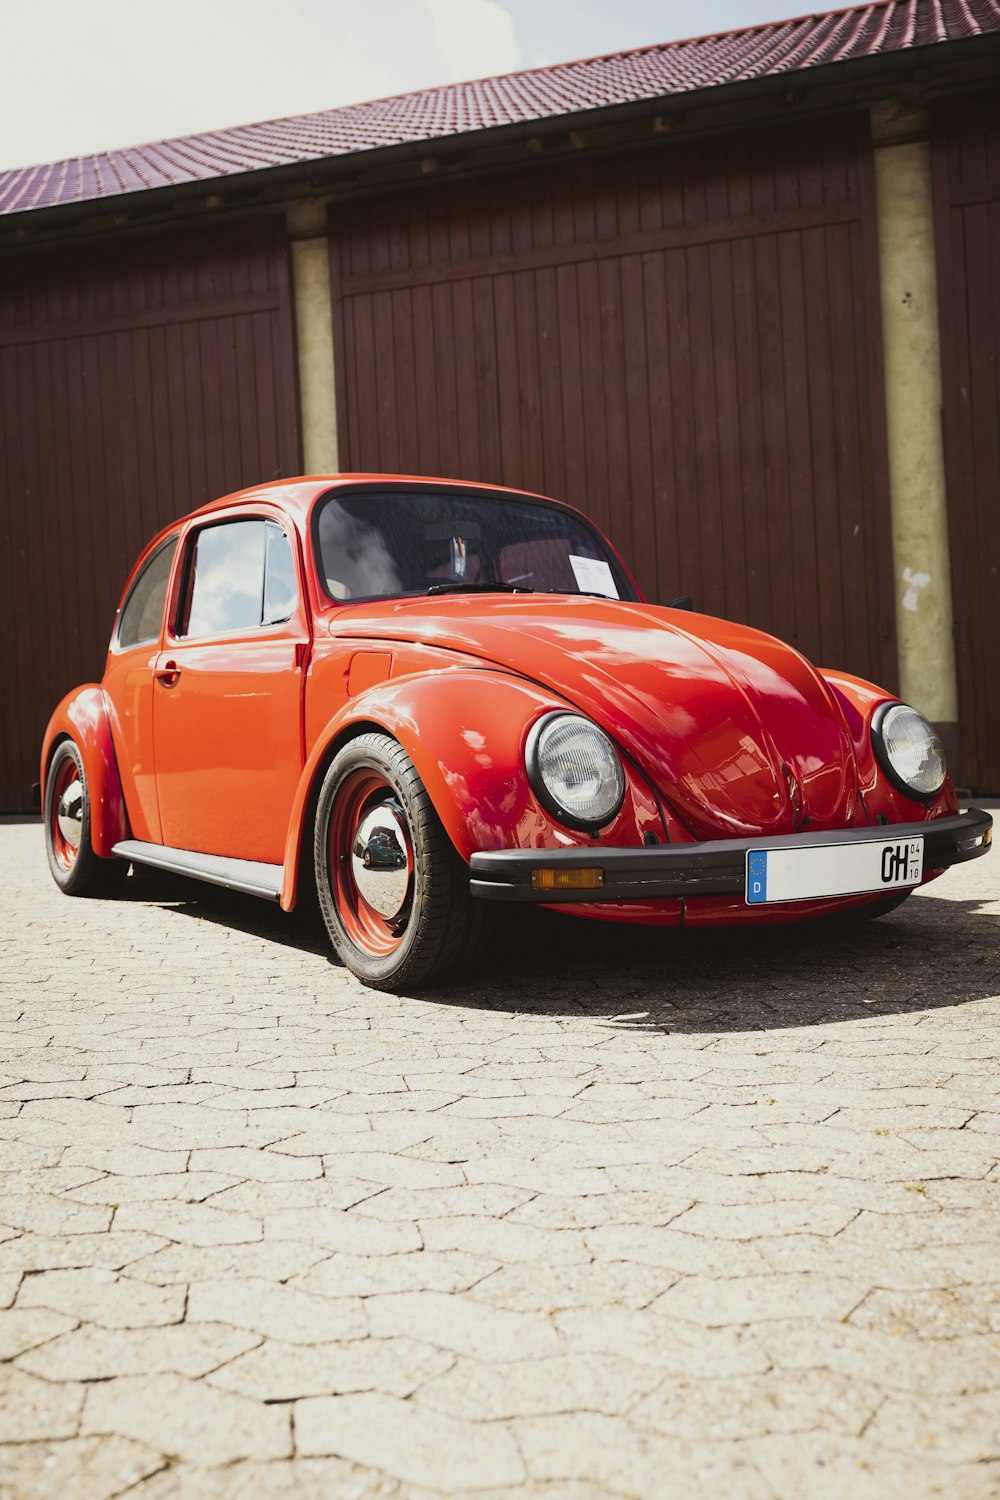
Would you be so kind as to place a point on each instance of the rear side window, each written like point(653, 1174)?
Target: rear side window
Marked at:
point(240, 576)
point(142, 612)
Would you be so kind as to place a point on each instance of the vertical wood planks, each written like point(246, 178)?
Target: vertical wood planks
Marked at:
point(679, 341)
point(136, 382)
point(966, 166)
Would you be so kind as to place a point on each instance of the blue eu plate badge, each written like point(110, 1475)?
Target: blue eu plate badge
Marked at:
point(757, 876)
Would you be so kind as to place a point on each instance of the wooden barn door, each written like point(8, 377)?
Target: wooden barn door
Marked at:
point(682, 342)
point(966, 146)
point(135, 384)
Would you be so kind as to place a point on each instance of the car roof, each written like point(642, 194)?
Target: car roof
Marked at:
point(296, 495)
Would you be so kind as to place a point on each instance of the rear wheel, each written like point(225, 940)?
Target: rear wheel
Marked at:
point(393, 892)
point(76, 869)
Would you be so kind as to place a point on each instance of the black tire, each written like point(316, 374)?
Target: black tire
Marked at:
point(76, 869)
point(438, 928)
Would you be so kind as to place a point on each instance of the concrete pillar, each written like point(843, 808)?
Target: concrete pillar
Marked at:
point(314, 328)
point(910, 337)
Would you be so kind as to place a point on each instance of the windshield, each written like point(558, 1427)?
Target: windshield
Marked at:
point(375, 544)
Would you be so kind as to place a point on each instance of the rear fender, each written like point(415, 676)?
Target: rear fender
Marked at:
point(465, 733)
point(82, 717)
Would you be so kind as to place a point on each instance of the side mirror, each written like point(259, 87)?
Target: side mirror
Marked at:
point(683, 602)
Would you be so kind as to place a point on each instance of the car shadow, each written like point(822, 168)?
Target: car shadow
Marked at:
point(929, 953)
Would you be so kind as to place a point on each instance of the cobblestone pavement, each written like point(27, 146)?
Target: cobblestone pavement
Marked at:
point(631, 1214)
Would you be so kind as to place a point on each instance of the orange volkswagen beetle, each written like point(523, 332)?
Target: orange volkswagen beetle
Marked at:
point(428, 695)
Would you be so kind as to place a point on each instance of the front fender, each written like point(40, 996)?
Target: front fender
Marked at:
point(858, 701)
point(82, 716)
point(465, 733)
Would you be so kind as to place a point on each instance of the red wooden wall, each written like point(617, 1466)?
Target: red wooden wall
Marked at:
point(136, 382)
point(683, 342)
point(966, 156)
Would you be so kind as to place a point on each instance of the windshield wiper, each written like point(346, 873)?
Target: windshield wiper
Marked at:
point(458, 587)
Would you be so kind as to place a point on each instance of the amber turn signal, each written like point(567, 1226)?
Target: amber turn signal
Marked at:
point(566, 880)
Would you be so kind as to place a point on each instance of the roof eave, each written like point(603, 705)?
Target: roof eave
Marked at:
point(325, 170)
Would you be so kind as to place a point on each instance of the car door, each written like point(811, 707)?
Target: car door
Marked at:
point(128, 687)
point(227, 699)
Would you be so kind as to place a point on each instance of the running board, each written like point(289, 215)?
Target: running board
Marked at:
point(247, 875)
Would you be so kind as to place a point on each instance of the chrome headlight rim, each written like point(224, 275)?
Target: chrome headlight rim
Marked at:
point(539, 786)
point(882, 754)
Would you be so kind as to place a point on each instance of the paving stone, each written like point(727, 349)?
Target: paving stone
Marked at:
point(965, 1434)
point(669, 1344)
point(943, 1312)
point(10, 1282)
point(185, 1187)
point(415, 1445)
point(461, 1323)
point(237, 1162)
point(545, 1288)
point(478, 1391)
point(607, 1451)
point(48, 1215)
point(187, 1419)
point(503, 1239)
point(751, 1299)
point(277, 1371)
point(102, 1296)
point(37, 1252)
point(81, 1468)
point(756, 1221)
point(98, 1353)
point(422, 1270)
point(23, 1328)
point(277, 1260)
point(405, 1205)
point(620, 1210)
point(189, 1223)
point(279, 1479)
point(264, 1198)
point(896, 1360)
point(750, 1406)
point(353, 1233)
point(830, 1468)
point(684, 1254)
point(928, 1266)
point(32, 1409)
point(394, 1171)
point(276, 1310)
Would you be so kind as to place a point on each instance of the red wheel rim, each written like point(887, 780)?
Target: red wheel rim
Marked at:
point(63, 850)
point(359, 795)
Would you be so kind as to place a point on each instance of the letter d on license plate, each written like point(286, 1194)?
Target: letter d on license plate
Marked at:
point(810, 871)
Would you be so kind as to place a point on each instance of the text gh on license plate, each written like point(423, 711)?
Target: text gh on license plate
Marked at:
point(812, 871)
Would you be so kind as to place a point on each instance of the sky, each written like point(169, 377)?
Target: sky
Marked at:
point(85, 76)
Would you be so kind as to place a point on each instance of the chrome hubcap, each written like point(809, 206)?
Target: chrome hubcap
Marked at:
point(70, 814)
point(382, 860)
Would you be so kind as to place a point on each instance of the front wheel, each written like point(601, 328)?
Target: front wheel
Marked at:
point(393, 892)
point(76, 869)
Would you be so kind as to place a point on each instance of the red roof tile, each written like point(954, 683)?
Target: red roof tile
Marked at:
point(516, 98)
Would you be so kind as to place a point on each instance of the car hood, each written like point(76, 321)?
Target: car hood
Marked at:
point(738, 732)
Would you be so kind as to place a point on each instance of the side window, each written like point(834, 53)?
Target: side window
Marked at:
point(240, 575)
point(142, 612)
point(280, 590)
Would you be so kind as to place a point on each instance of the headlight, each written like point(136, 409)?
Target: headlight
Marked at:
point(909, 751)
point(574, 770)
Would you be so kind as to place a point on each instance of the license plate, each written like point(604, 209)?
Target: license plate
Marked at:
point(812, 871)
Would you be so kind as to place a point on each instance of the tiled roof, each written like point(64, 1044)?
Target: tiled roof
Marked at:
point(516, 98)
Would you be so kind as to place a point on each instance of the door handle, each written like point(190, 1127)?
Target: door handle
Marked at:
point(168, 673)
